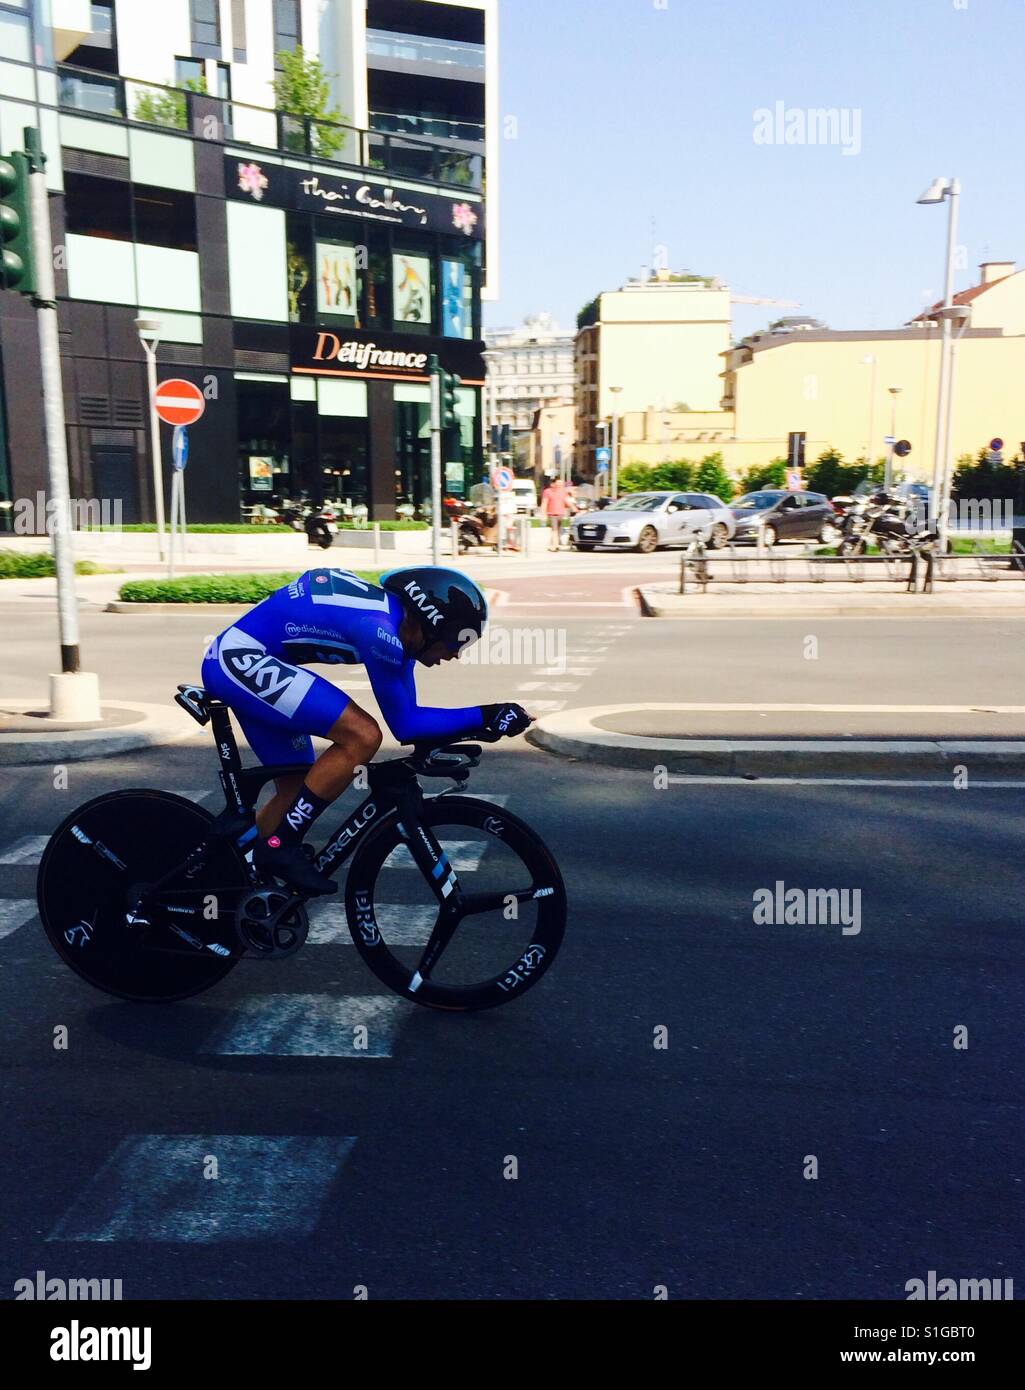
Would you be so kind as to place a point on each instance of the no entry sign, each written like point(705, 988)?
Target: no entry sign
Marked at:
point(179, 402)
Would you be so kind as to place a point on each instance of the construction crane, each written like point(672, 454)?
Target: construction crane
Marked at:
point(756, 299)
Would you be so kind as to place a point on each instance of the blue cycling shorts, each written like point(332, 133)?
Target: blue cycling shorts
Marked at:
point(278, 706)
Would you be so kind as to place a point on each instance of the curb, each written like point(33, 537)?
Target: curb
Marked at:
point(159, 727)
point(763, 606)
point(573, 734)
point(117, 606)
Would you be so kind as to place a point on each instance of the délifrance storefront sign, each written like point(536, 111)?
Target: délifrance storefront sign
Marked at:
point(351, 195)
point(356, 352)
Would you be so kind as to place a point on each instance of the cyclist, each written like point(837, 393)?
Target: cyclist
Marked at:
point(426, 615)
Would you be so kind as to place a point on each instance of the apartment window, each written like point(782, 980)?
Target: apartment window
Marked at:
point(98, 207)
point(287, 28)
point(238, 30)
point(206, 27)
point(15, 37)
point(223, 81)
point(165, 217)
point(189, 71)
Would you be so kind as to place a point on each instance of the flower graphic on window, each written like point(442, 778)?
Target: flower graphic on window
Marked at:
point(464, 217)
point(252, 179)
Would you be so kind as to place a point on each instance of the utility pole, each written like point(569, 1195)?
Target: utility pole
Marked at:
point(74, 694)
point(435, 461)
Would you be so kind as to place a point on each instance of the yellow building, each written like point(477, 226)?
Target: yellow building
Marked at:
point(660, 341)
point(846, 389)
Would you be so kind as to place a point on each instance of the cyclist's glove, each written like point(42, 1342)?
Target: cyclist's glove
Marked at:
point(505, 721)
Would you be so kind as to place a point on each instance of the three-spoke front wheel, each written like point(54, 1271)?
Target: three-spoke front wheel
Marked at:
point(491, 939)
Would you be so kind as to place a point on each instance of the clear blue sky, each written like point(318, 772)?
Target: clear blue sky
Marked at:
point(634, 110)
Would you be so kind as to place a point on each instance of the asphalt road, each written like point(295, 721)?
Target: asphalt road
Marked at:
point(637, 1166)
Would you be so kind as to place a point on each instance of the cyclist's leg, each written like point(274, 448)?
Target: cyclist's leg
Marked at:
point(355, 738)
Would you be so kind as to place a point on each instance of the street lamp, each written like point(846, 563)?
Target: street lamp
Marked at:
point(149, 330)
point(960, 314)
point(888, 476)
point(936, 192)
point(616, 392)
point(873, 362)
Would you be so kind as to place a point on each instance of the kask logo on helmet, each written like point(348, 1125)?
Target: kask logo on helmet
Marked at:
point(428, 610)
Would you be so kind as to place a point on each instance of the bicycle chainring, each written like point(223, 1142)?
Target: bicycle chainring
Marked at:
point(272, 924)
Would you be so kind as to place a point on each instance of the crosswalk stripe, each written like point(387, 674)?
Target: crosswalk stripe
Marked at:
point(310, 1025)
point(27, 850)
point(402, 924)
point(198, 795)
point(14, 913)
point(464, 855)
point(566, 671)
point(546, 706)
point(556, 687)
point(497, 798)
point(163, 1188)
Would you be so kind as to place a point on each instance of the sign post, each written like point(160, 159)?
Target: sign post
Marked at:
point(501, 481)
point(602, 459)
point(179, 404)
point(435, 367)
point(180, 458)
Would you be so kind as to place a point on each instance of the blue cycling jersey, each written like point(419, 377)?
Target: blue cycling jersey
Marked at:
point(328, 617)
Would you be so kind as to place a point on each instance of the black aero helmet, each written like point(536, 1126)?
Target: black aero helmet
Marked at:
point(448, 606)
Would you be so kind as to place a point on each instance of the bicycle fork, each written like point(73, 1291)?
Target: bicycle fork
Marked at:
point(436, 867)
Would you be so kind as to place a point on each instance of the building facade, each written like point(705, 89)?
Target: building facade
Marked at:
point(655, 343)
point(529, 367)
point(303, 271)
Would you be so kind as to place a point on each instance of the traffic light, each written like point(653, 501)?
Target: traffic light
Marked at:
point(17, 266)
point(450, 385)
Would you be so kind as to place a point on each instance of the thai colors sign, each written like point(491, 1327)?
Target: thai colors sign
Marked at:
point(352, 195)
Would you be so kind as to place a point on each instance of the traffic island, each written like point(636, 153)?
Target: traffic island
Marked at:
point(29, 735)
point(647, 736)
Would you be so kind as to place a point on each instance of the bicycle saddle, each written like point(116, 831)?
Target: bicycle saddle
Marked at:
point(195, 701)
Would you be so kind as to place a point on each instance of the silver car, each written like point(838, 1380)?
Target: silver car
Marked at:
point(645, 521)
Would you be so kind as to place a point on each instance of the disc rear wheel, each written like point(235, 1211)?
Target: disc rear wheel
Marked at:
point(92, 872)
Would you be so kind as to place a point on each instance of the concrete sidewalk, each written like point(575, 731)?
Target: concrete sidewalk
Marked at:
point(650, 736)
point(965, 598)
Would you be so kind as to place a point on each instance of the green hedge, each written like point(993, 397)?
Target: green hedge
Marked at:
point(15, 564)
point(387, 526)
point(227, 529)
point(215, 588)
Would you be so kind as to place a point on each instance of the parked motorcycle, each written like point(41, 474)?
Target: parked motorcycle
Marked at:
point(883, 518)
point(321, 526)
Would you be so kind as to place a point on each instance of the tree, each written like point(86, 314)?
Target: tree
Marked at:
point(163, 106)
point(761, 475)
point(302, 89)
point(662, 477)
point(712, 477)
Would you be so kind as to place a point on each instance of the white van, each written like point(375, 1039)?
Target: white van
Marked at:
point(525, 494)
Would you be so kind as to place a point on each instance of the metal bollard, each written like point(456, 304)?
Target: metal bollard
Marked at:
point(377, 542)
point(455, 539)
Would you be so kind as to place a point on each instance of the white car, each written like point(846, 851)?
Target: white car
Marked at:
point(645, 521)
point(525, 494)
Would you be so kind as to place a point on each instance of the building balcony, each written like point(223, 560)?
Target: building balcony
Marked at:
point(427, 57)
point(173, 110)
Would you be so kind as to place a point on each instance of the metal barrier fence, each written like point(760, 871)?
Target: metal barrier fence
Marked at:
point(918, 569)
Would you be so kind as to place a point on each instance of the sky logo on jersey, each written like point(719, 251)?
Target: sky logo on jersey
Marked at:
point(250, 667)
point(428, 611)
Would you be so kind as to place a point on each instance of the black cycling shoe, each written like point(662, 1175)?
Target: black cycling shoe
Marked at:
point(293, 864)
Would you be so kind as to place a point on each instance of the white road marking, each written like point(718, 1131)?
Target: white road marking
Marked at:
point(463, 855)
point(546, 706)
point(565, 671)
point(158, 1187)
point(499, 798)
point(309, 1025)
point(27, 850)
point(766, 708)
point(556, 687)
point(197, 795)
point(14, 913)
point(401, 924)
point(754, 781)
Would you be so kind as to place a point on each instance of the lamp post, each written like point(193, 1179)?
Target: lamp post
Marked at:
point(936, 192)
point(616, 392)
point(888, 476)
point(960, 314)
point(873, 362)
point(149, 330)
